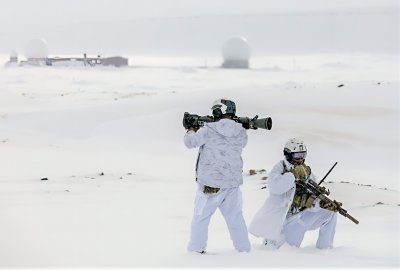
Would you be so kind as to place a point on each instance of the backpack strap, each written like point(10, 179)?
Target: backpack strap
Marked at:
point(285, 169)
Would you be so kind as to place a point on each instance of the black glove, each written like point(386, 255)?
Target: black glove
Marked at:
point(187, 121)
point(246, 125)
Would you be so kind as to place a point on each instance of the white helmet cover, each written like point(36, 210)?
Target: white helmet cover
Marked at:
point(295, 145)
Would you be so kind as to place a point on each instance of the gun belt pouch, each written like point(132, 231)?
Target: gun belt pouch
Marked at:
point(210, 190)
point(304, 198)
point(296, 201)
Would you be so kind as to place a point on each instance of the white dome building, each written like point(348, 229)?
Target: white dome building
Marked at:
point(36, 49)
point(236, 53)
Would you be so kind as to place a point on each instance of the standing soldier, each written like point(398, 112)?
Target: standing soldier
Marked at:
point(289, 211)
point(218, 175)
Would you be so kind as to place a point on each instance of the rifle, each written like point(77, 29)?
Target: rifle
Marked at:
point(322, 193)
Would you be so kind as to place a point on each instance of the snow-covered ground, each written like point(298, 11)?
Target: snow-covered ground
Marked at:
point(120, 185)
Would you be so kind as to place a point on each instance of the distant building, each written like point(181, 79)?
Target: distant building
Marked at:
point(116, 61)
point(236, 53)
point(36, 54)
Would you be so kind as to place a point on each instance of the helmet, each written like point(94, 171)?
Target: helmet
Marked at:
point(222, 107)
point(295, 149)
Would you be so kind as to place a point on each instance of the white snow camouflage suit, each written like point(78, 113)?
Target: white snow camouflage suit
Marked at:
point(273, 222)
point(219, 165)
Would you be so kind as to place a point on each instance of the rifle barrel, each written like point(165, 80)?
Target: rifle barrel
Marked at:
point(352, 218)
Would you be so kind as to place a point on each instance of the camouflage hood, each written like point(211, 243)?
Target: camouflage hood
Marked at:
point(226, 127)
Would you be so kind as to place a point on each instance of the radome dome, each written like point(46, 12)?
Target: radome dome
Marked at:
point(236, 48)
point(36, 48)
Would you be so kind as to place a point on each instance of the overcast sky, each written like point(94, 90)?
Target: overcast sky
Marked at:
point(91, 10)
point(71, 23)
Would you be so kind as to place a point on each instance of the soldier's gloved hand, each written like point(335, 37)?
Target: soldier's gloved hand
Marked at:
point(301, 172)
point(331, 206)
point(246, 125)
point(188, 121)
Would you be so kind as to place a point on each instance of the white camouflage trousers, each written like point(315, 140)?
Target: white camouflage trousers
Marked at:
point(311, 219)
point(229, 202)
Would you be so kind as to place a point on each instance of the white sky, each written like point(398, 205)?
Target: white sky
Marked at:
point(92, 10)
point(119, 26)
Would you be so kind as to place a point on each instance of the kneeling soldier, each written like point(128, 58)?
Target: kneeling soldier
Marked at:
point(290, 210)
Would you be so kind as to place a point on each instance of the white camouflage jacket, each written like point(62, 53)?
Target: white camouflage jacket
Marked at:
point(269, 220)
point(219, 163)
